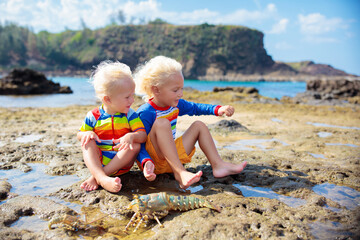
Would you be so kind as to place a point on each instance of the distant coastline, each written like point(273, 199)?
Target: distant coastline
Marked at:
point(230, 77)
point(225, 78)
point(206, 52)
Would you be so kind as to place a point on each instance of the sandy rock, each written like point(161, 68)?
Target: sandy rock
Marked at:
point(228, 126)
point(4, 189)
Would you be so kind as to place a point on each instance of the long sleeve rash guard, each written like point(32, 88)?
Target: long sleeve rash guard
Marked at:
point(149, 112)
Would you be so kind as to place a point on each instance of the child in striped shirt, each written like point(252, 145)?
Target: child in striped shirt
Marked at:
point(111, 135)
point(162, 82)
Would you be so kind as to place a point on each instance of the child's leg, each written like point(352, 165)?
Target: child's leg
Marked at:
point(124, 158)
point(100, 174)
point(92, 161)
point(198, 131)
point(164, 144)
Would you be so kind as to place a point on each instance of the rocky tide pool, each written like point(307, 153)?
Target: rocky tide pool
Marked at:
point(301, 181)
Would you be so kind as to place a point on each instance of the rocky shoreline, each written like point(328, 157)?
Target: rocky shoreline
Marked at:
point(230, 77)
point(293, 150)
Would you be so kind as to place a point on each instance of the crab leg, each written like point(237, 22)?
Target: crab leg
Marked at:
point(131, 221)
point(157, 219)
point(138, 225)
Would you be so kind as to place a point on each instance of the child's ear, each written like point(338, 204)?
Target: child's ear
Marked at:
point(107, 99)
point(155, 90)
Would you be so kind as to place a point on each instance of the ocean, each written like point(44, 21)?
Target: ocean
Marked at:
point(83, 92)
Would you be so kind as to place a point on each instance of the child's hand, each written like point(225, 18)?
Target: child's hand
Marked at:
point(227, 110)
point(125, 142)
point(87, 136)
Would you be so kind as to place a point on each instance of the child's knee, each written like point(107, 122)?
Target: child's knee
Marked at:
point(199, 124)
point(161, 123)
point(136, 147)
point(90, 145)
point(134, 150)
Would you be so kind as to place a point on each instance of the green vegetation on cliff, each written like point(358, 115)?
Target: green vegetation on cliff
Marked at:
point(200, 48)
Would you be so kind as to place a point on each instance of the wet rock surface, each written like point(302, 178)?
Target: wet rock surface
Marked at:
point(4, 189)
point(28, 82)
point(273, 197)
point(329, 92)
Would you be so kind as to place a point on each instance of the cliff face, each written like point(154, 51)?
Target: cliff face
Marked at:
point(203, 50)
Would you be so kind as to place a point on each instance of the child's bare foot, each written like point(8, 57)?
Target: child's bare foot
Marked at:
point(90, 184)
point(186, 179)
point(227, 168)
point(149, 171)
point(111, 184)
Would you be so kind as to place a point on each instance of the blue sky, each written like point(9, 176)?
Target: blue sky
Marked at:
point(325, 31)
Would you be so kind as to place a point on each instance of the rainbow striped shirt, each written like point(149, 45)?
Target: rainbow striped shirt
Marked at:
point(109, 127)
point(149, 112)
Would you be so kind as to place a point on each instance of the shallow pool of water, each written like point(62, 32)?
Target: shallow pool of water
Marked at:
point(276, 120)
point(63, 144)
point(319, 155)
point(72, 205)
point(36, 182)
point(345, 196)
point(30, 223)
point(331, 126)
point(253, 144)
point(341, 144)
point(248, 191)
point(328, 230)
point(324, 134)
point(195, 189)
point(28, 138)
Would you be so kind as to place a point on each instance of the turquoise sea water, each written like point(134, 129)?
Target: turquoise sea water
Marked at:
point(83, 92)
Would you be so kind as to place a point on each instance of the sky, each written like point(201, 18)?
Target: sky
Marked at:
point(324, 31)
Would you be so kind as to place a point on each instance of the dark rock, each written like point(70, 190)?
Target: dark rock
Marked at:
point(336, 88)
point(247, 90)
point(4, 189)
point(228, 125)
point(29, 82)
point(329, 92)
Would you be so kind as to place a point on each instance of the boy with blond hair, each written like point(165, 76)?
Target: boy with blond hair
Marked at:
point(111, 135)
point(162, 82)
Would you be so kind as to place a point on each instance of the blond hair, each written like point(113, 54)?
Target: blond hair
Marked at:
point(155, 73)
point(108, 75)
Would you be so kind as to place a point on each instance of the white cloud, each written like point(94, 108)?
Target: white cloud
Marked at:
point(316, 24)
point(56, 15)
point(279, 27)
point(147, 9)
point(242, 16)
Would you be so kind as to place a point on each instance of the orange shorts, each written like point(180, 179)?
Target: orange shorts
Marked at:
point(161, 165)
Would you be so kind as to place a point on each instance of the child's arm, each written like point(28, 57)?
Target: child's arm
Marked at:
point(85, 137)
point(86, 133)
point(191, 108)
point(129, 139)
